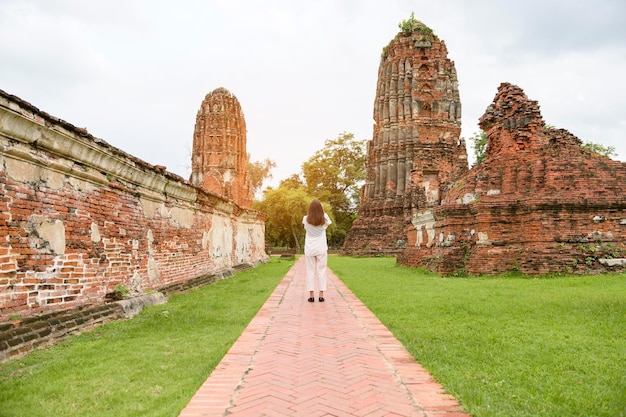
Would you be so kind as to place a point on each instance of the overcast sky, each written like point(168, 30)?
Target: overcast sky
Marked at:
point(134, 72)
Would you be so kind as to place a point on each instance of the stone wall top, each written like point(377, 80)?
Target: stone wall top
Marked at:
point(27, 110)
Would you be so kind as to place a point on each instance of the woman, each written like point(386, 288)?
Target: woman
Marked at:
point(315, 249)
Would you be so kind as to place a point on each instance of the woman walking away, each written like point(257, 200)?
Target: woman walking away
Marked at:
point(315, 248)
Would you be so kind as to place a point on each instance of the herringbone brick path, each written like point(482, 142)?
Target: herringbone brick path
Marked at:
point(304, 359)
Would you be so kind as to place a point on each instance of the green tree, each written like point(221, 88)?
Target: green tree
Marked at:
point(335, 174)
point(285, 207)
point(292, 182)
point(479, 141)
point(259, 171)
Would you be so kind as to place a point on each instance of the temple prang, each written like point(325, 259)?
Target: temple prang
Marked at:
point(416, 149)
point(219, 157)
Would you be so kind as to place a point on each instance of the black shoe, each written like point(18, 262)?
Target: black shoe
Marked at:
point(321, 299)
point(310, 300)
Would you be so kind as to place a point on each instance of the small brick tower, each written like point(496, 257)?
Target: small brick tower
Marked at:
point(219, 158)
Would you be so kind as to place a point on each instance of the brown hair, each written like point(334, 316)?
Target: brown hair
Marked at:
point(315, 216)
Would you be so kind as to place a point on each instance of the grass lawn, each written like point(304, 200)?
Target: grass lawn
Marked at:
point(506, 346)
point(503, 346)
point(148, 366)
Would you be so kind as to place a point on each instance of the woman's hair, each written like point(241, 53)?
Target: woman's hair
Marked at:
point(315, 216)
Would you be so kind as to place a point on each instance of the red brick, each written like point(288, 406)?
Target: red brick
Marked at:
point(220, 137)
point(416, 148)
point(535, 199)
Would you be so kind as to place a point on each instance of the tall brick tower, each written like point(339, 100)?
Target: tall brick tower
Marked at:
point(219, 158)
point(416, 150)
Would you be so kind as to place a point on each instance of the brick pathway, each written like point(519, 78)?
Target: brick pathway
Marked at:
point(304, 359)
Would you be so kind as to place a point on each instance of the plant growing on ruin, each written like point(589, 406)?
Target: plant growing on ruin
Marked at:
point(385, 52)
point(411, 25)
point(607, 151)
point(122, 290)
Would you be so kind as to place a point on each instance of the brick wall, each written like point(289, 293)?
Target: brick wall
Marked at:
point(79, 217)
point(532, 237)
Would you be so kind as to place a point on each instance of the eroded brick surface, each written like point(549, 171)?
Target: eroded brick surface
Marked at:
point(539, 203)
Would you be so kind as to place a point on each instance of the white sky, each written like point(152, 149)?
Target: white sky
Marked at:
point(134, 72)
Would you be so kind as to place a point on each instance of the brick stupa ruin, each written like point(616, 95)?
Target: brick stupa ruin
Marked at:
point(416, 150)
point(219, 157)
point(539, 203)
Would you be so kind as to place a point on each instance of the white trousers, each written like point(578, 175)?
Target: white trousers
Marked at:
point(316, 270)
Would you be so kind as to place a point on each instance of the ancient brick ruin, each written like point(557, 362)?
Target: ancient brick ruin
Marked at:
point(219, 162)
point(416, 150)
point(539, 203)
point(80, 218)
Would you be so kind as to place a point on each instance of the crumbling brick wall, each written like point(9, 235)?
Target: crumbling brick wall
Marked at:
point(79, 217)
point(539, 203)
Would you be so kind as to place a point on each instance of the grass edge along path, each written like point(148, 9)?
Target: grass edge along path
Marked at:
point(505, 346)
point(150, 365)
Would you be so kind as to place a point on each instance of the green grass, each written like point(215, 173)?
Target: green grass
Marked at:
point(503, 346)
point(506, 346)
point(148, 366)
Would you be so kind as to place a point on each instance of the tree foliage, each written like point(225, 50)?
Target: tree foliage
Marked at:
point(259, 171)
point(335, 174)
point(608, 151)
point(479, 140)
point(293, 181)
point(285, 207)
